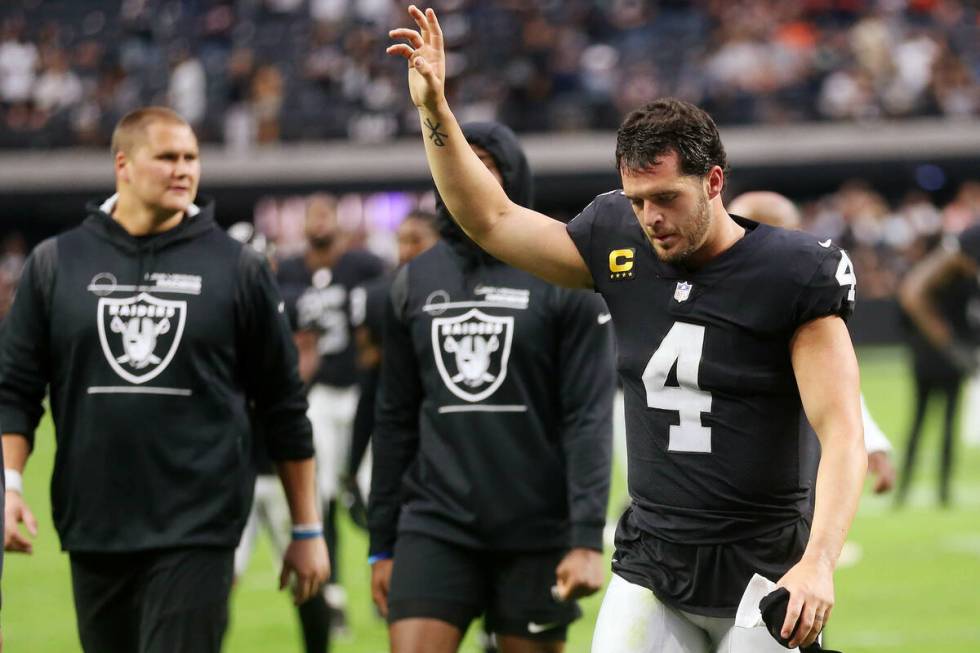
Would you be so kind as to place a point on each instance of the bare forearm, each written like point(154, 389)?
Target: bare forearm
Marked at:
point(16, 449)
point(298, 481)
point(470, 191)
point(843, 464)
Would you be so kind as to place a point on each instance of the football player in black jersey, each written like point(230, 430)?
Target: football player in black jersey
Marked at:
point(416, 233)
point(726, 331)
point(320, 282)
point(941, 295)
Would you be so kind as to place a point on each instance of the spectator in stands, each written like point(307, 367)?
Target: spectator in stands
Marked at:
point(561, 62)
point(187, 92)
point(266, 103)
point(58, 88)
point(19, 60)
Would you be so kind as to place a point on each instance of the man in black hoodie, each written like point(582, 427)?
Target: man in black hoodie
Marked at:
point(492, 443)
point(153, 330)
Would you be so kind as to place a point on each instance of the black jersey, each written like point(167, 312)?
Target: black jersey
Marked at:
point(323, 303)
point(969, 242)
point(373, 297)
point(967, 326)
point(494, 415)
point(712, 406)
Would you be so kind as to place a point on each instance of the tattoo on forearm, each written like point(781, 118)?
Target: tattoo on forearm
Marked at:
point(437, 137)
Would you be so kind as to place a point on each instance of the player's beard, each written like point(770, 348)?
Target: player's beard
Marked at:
point(693, 232)
point(321, 242)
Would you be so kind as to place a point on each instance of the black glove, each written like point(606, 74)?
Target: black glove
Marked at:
point(773, 608)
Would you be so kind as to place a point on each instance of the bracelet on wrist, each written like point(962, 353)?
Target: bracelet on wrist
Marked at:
point(307, 531)
point(13, 481)
point(378, 557)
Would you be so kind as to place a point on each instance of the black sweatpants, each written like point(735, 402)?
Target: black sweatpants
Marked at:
point(152, 601)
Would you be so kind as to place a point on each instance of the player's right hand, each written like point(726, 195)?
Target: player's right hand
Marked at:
point(16, 512)
point(880, 466)
point(380, 584)
point(425, 56)
point(308, 564)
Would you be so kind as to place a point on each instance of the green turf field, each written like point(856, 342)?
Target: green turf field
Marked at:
point(911, 584)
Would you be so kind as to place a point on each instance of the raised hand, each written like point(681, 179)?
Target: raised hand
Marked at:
point(425, 56)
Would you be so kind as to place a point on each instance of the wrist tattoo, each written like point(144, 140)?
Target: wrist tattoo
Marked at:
point(437, 137)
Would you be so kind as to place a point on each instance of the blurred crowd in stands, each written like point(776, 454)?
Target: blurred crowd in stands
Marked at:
point(884, 239)
point(261, 71)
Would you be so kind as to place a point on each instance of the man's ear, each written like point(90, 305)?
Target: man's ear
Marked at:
point(715, 182)
point(119, 164)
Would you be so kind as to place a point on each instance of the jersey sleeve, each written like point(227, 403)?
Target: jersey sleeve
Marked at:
point(969, 242)
point(581, 228)
point(830, 289)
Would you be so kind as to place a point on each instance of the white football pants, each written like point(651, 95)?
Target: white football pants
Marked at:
point(633, 620)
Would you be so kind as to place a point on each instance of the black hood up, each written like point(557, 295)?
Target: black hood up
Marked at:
point(502, 144)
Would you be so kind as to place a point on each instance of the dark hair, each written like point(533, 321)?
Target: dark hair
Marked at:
point(666, 125)
point(428, 218)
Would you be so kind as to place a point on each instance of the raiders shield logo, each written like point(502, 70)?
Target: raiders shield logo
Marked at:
point(471, 352)
point(140, 334)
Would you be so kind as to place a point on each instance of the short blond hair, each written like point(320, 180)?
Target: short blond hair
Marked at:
point(131, 128)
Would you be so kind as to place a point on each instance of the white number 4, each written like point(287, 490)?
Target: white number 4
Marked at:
point(682, 344)
point(845, 274)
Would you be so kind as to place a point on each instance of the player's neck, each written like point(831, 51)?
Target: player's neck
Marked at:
point(723, 234)
point(138, 219)
point(323, 257)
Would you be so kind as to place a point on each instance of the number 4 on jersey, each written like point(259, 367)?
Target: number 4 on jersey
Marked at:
point(682, 344)
point(845, 274)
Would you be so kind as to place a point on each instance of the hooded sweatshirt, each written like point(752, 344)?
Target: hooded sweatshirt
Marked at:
point(494, 414)
point(151, 349)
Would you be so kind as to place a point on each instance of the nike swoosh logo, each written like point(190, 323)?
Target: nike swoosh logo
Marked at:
point(604, 317)
point(825, 243)
point(537, 629)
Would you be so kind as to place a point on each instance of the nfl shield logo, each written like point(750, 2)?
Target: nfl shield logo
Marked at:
point(683, 291)
point(471, 352)
point(140, 334)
